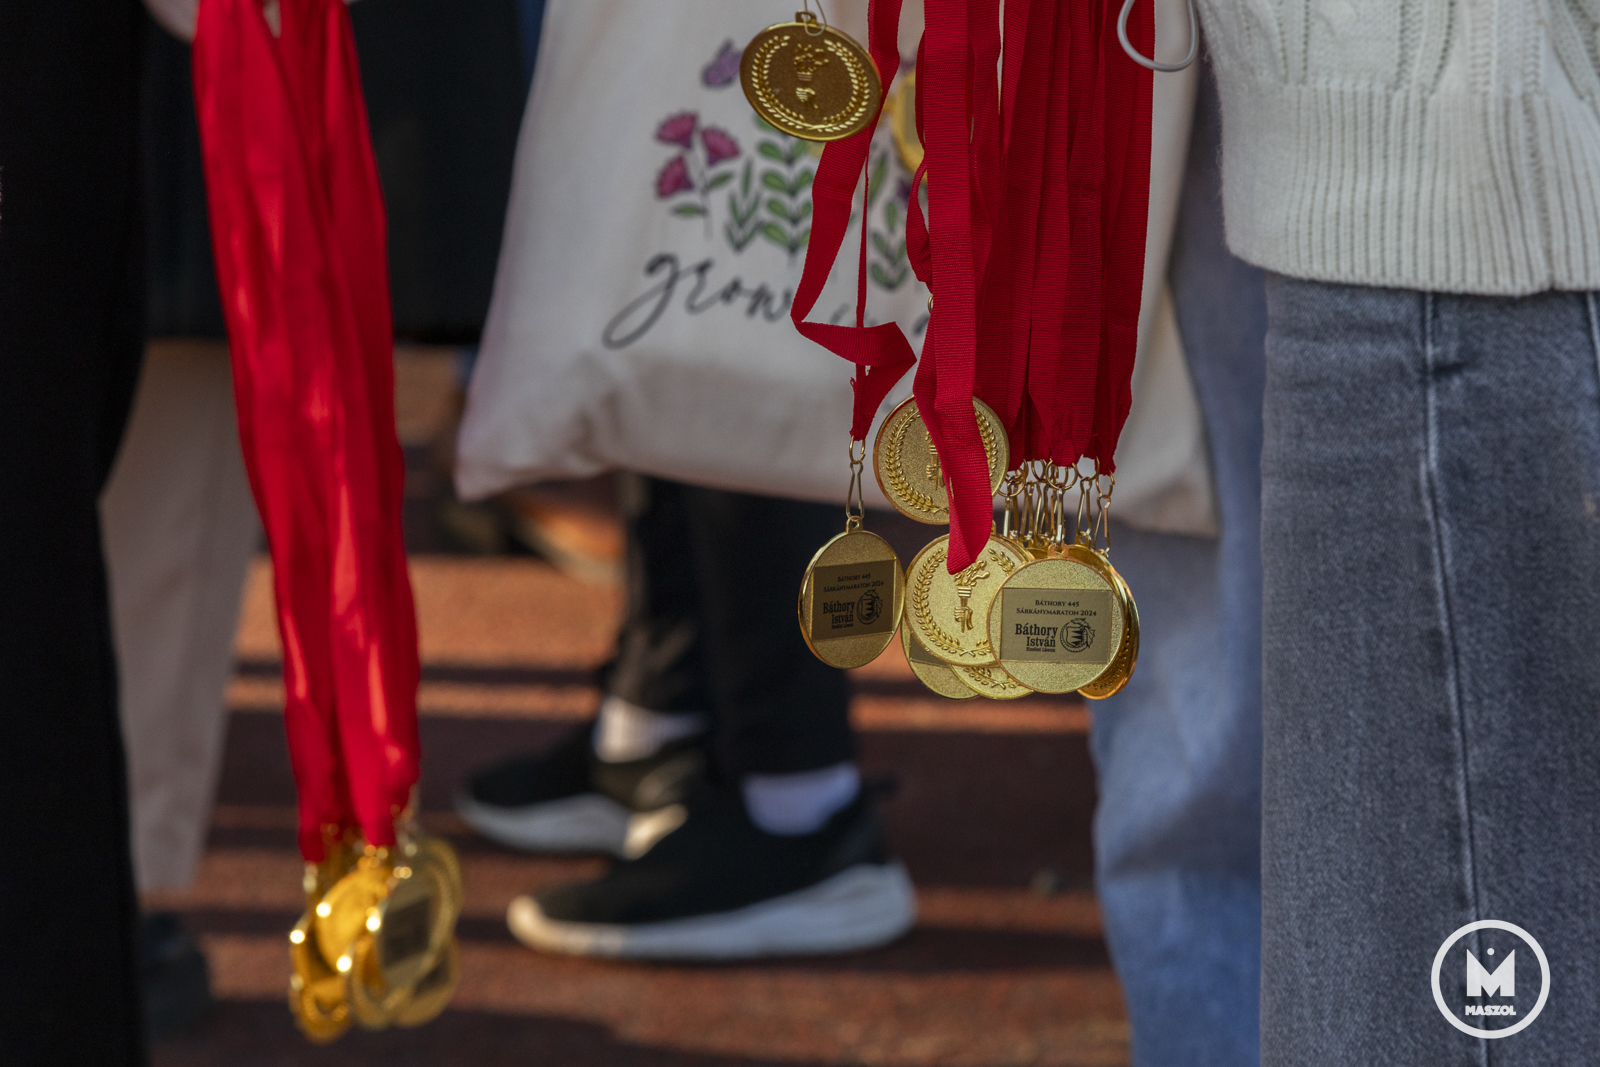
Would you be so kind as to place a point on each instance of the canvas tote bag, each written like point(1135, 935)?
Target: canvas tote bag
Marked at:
point(655, 236)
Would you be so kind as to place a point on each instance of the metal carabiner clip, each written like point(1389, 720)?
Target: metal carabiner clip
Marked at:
point(1150, 64)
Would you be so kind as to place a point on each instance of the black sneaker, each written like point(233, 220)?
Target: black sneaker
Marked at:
point(567, 800)
point(704, 882)
point(174, 975)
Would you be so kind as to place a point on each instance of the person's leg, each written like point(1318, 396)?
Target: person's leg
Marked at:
point(780, 853)
point(779, 709)
point(70, 340)
point(1178, 752)
point(180, 528)
point(647, 744)
point(1432, 615)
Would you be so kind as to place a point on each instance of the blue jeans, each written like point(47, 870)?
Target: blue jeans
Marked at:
point(1431, 548)
point(1177, 832)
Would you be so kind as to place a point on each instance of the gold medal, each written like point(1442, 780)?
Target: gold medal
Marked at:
point(1057, 623)
point(1116, 676)
point(809, 80)
point(407, 933)
point(850, 598)
point(938, 676)
point(377, 943)
point(948, 612)
point(991, 682)
point(908, 467)
point(316, 993)
point(433, 993)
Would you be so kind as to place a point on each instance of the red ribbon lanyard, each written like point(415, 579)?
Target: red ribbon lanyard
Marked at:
point(1035, 249)
point(945, 382)
point(881, 353)
point(297, 226)
point(1126, 221)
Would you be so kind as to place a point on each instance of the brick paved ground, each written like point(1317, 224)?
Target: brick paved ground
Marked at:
point(1006, 965)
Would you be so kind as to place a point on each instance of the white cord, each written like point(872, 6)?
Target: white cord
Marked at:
point(1165, 68)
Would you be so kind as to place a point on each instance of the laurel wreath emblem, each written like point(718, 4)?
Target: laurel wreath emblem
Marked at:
point(923, 610)
point(894, 450)
point(986, 676)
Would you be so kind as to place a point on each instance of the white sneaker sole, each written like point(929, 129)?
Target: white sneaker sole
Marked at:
point(587, 823)
point(858, 908)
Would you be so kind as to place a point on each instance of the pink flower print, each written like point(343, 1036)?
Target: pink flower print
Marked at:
point(674, 178)
point(719, 146)
point(724, 68)
point(679, 129)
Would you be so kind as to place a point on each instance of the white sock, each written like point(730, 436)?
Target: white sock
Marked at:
point(792, 804)
point(628, 732)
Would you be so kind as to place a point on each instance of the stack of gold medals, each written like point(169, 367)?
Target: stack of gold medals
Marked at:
point(376, 945)
point(1041, 610)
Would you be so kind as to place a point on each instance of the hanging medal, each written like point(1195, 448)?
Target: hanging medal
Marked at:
point(852, 594)
point(376, 945)
point(853, 590)
point(907, 464)
point(939, 677)
point(1058, 623)
point(1086, 550)
point(948, 612)
point(810, 80)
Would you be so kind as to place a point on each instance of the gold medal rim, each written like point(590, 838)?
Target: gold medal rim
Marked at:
point(1043, 676)
point(425, 1007)
point(984, 682)
point(849, 655)
point(937, 678)
point(752, 90)
point(1127, 658)
point(435, 882)
point(311, 975)
point(903, 498)
point(983, 655)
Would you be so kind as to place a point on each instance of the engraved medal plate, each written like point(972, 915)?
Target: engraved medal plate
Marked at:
point(1057, 624)
point(810, 80)
point(908, 468)
point(851, 599)
point(1054, 625)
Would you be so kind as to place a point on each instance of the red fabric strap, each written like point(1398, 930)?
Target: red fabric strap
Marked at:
point(298, 233)
point(881, 353)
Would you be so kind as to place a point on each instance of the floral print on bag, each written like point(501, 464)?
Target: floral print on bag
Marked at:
point(768, 193)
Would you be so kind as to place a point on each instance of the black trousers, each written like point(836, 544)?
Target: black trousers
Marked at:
point(713, 580)
point(70, 342)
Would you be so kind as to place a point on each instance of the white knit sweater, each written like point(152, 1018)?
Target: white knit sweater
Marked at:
point(1448, 145)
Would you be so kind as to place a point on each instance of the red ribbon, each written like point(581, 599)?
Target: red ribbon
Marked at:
point(298, 228)
point(881, 353)
point(1035, 250)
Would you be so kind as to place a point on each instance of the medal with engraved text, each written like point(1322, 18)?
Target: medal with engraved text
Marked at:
point(937, 675)
point(851, 598)
point(809, 80)
point(908, 468)
point(1056, 624)
point(948, 612)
